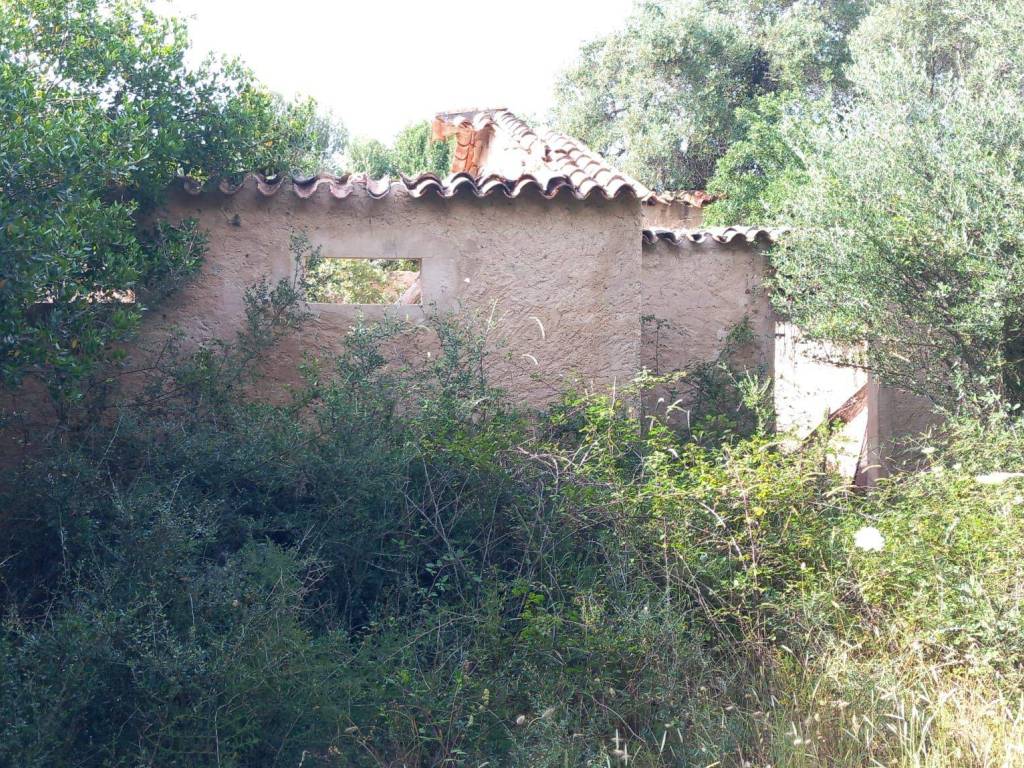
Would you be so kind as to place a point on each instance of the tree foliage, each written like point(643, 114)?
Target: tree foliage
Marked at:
point(908, 234)
point(101, 114)
point(412, 153)
point(762, 170)
point(661, 96)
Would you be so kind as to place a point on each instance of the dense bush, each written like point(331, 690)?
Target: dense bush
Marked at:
point(906, 226)
point(395, 568)
point(101, 113)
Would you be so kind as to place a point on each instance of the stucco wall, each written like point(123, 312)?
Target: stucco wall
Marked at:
point(701, 292)
point(814, 380)
point(898, 419)
point(674, 215)
point(560, 278)
point(571, 291)
point(694, 296)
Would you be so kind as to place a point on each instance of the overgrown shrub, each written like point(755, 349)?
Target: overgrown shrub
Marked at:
point(397, 568)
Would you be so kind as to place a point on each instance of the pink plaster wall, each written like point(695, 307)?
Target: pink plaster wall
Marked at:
point(694, 295)
point(674, 215)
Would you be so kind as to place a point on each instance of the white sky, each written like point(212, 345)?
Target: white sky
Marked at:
point(382, 64)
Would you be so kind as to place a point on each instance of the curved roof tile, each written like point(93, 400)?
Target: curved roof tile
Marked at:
point(550, 152)
point(552, 162)
point(718, 234)
point(423, 185)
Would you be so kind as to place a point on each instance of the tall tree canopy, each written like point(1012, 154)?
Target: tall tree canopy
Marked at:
point(887, 134)
point(908, 228)
point(661, 96)
point(101, 112)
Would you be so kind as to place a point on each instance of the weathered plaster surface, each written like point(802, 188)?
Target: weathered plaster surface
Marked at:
point(694, 296)
point(571, 294)
point(898, 417)
point(814, 380)
point(674, 215)
point(560, 278)
point(701, 292)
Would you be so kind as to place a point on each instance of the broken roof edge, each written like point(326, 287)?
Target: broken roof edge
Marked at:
point(724, 235)
point(420, 186)
point(692, 198)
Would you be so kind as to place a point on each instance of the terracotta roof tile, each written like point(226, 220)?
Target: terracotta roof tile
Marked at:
point(717, 234)
point(547, 161)
point(424, 185)
point(544, 154)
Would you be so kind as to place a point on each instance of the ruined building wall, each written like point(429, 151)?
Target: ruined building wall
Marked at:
point(695, 295)
point(698, 299)
point(673, 215)
point(572, 294)
point(560, 279)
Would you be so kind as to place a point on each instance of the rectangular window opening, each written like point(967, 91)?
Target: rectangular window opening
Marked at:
point(346, 280)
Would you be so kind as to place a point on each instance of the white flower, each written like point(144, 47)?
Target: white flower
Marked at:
point(869, 538)
point(928, 450)
point(995, 478)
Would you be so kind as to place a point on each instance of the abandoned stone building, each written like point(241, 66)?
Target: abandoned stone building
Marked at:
point(586, 275)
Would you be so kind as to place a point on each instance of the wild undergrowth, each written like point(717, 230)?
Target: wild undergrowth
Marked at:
point(395, 567)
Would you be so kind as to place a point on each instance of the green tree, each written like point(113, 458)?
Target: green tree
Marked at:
point(910, 231)
point(762, 169)
point(101, 113)
point(661, 96)
point(371, 157)
point(413, 152)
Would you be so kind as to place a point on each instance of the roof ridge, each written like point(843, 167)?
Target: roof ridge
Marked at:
point(556, 151)
point(643, 191)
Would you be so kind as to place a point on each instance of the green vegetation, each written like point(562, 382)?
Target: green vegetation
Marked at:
point(887, 135)
point(669, 94)
point(393, 566)
point(351, 281)
point(413, 153)
point(100, 114)
point(340, 580)
point(907, 232)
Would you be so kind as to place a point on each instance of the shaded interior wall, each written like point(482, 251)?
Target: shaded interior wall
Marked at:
point(898, 417)
point(694, 296)
point(559, 278)
point(813, 381)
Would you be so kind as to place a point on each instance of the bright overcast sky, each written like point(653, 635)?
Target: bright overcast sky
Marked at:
point(382, 64)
